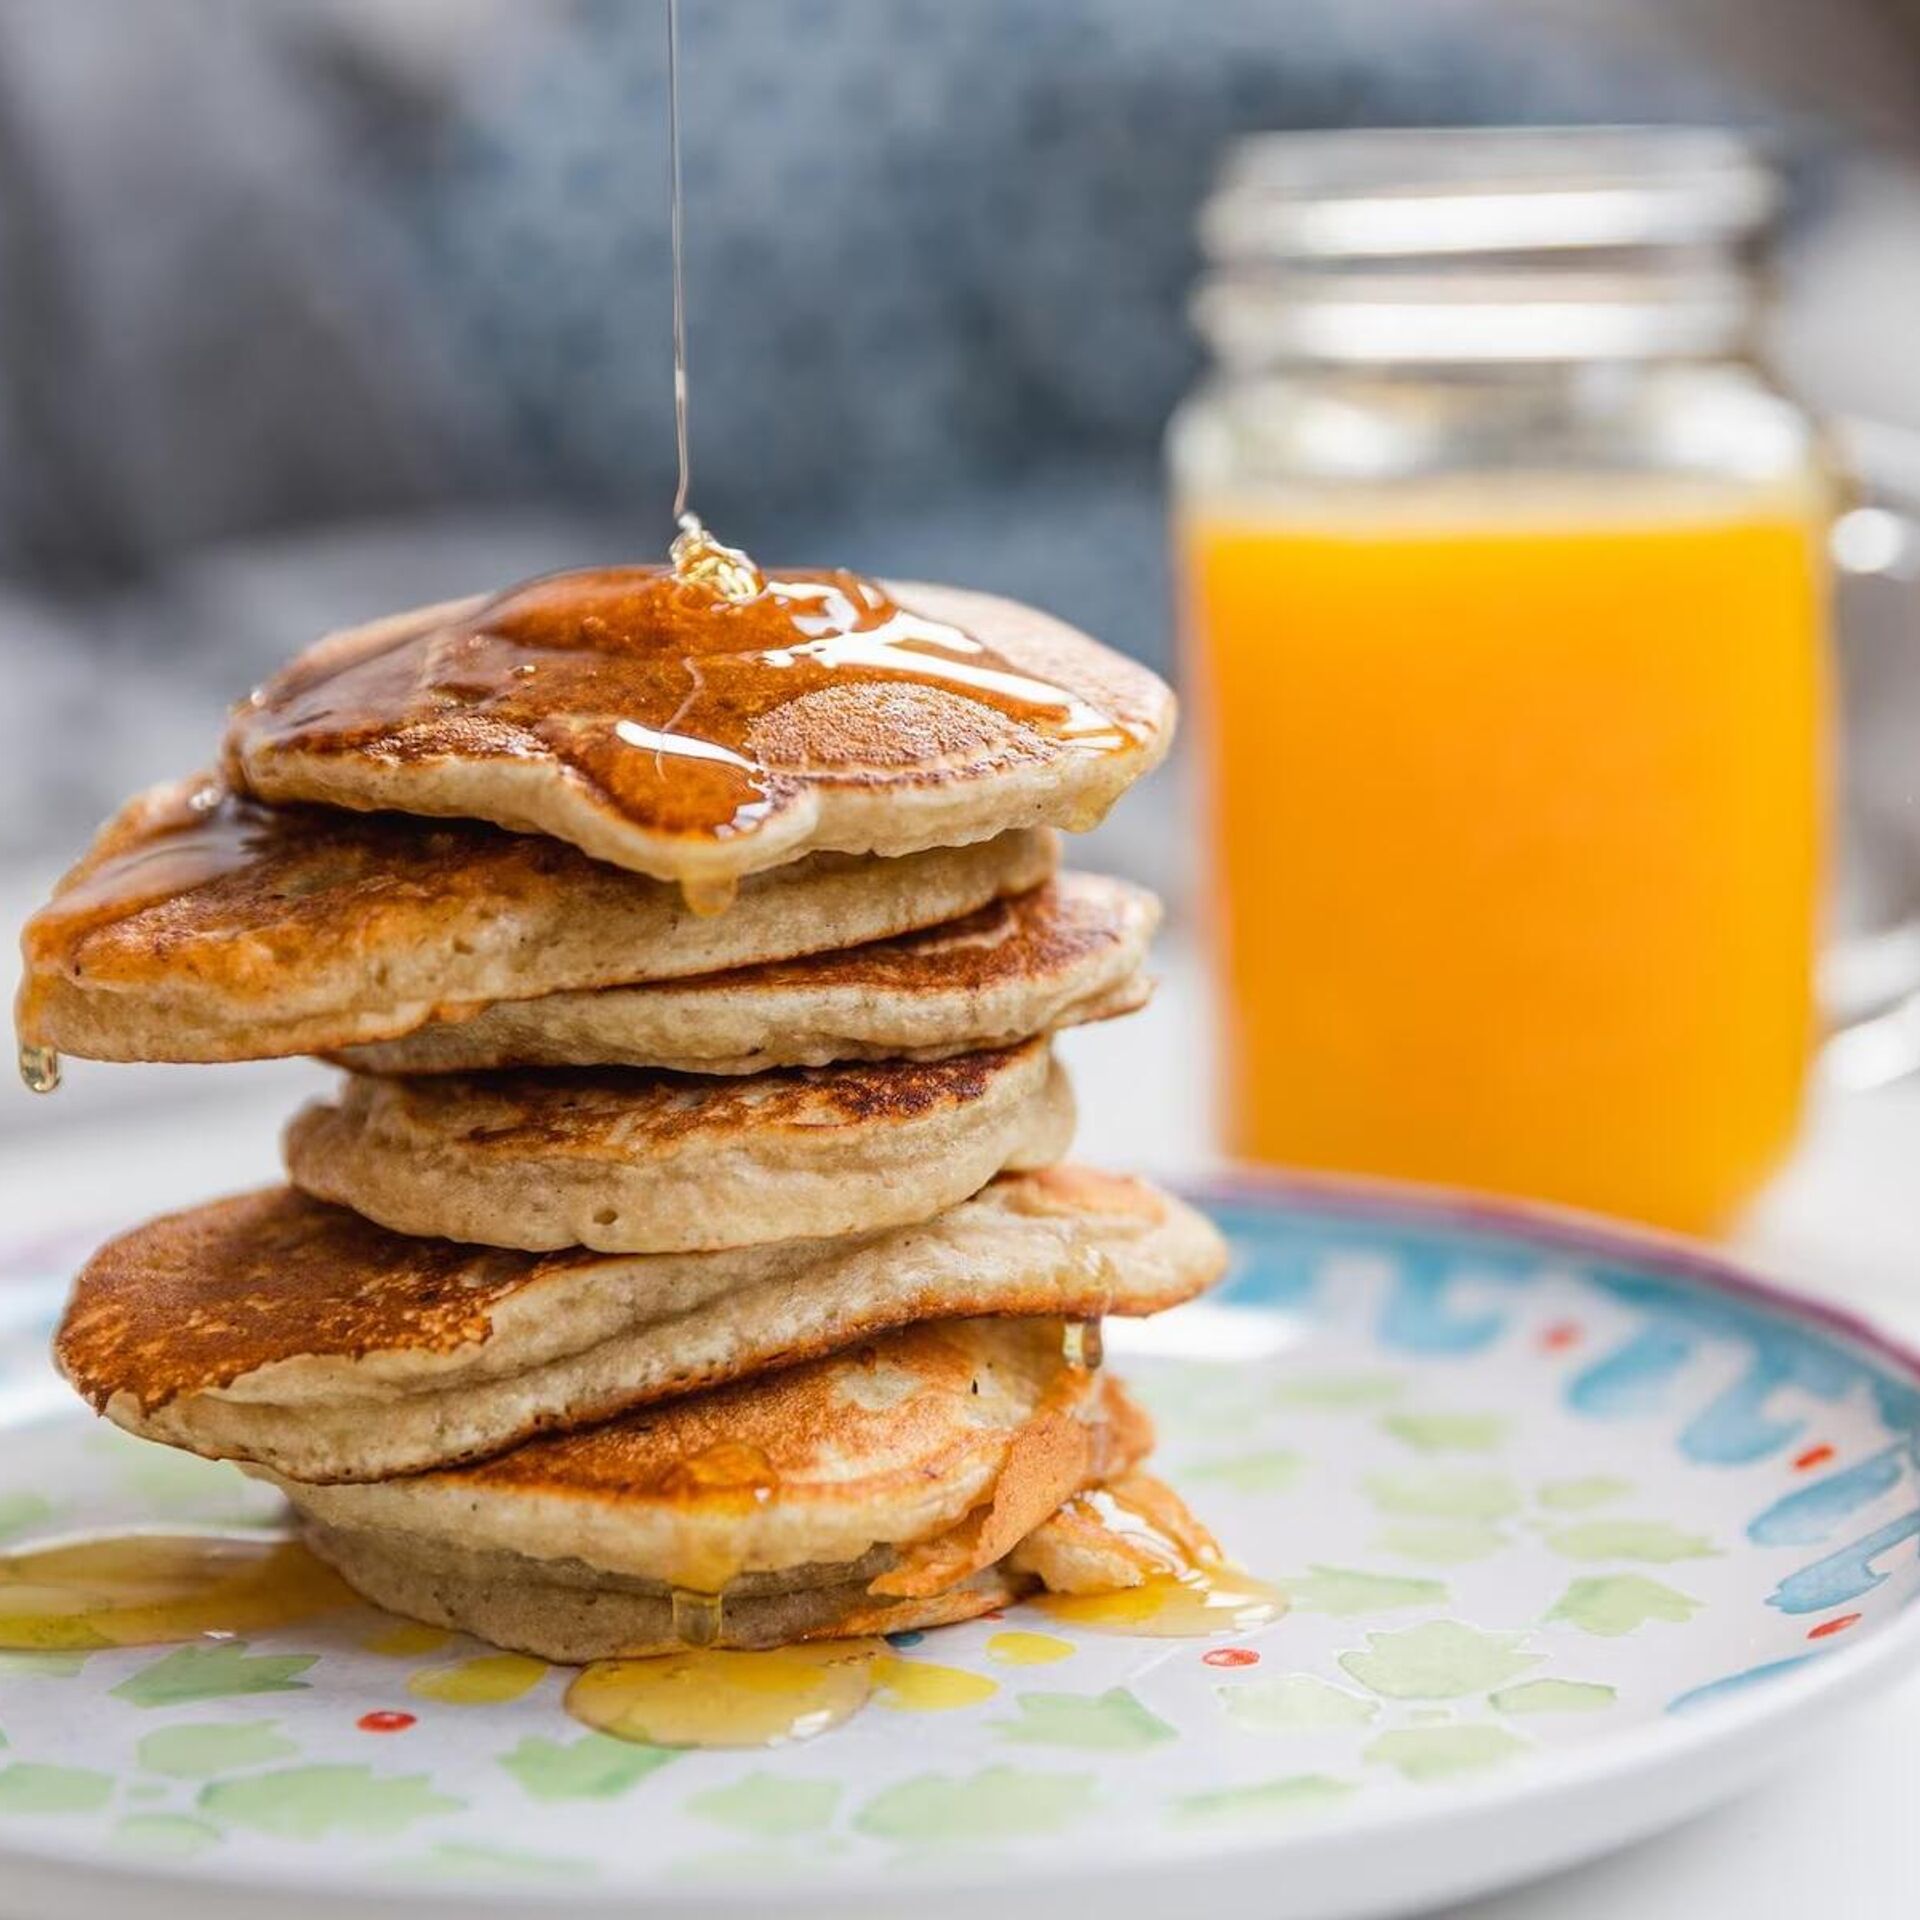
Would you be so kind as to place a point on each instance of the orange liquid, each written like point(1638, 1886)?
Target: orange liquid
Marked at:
point(1518, 835)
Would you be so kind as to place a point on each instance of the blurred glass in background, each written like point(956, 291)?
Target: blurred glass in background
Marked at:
point(1507, 589)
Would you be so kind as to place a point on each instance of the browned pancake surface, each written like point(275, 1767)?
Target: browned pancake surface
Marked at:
point(1046, 931)
point(197, 1299)
point(191, 877)
point(676, 731)
point(203, 925)
point(913, 1396)
point(563, 1111)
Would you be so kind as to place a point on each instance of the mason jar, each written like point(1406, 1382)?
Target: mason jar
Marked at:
point(1504, 581)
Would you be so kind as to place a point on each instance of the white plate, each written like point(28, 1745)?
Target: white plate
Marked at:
point(1583, 1531)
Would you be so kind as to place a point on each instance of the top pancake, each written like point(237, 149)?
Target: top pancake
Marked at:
point(204, 926)
point(662, 727)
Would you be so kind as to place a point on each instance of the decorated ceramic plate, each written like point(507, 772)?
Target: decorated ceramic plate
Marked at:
point(1579, 1531)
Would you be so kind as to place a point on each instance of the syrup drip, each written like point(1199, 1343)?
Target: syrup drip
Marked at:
point(715, 1492)
point(1195, 1594)
point(1082, 1344)
point(720, 1698)
point(146, 1589)
point(706, 899)
point(696, 1617)
point(39, 1067)
point(193, 841)
point(1191, 1605)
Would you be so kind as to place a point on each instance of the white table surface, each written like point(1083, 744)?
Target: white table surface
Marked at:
point(1838, 1840)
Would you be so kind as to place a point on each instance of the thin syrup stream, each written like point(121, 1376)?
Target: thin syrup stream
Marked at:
point(686, 522)
point(696, 555)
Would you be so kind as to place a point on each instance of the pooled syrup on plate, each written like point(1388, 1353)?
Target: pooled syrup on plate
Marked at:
point(713, 1697)
point(1193, 1592)
point(146, 1589)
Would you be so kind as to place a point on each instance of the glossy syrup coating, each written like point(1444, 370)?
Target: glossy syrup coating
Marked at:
point(204, 925)
point(664, 725)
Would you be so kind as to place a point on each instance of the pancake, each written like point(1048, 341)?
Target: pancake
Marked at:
point(625, 1161)
point(516, 1603)
point(201, 926)
point(272, 1328)
point(1064, 953)
point(570, 1614)
point(897, 1471)
point(660, 726)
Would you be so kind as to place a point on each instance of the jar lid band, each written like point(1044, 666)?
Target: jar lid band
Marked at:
point(1448, 192)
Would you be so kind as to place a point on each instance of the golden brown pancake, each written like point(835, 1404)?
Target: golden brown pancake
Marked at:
point(200, 926)
point(572, 1614)
point(273, 1328)
point(1066, 952)
point(896, 1471)
point(661, 727)
point(632, 1162)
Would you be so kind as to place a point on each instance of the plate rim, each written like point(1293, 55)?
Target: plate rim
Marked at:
point(1828, 1679)
point(1569, 1229)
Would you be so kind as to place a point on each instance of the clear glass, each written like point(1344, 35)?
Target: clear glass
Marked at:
point(1512, 682)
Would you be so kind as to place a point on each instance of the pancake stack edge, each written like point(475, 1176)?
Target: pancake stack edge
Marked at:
point(654, 1275)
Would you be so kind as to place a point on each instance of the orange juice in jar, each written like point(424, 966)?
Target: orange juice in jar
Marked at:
point(1511, 688)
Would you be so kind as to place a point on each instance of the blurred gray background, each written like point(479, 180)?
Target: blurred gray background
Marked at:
point(315, 307)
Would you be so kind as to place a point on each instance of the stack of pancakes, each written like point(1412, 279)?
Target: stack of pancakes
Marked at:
point(687, 1254)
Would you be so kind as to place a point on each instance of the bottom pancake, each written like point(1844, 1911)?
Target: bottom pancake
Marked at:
point(568, 1612)
point(521, 1604)
point(881, 1487)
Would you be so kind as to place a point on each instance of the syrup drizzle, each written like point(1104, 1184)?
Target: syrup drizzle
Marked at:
point(696, 555)
point(682, 445)
point(1193, 1592)
point(715, 1494)
point(147, 1589)
point(699, 701)
point(695, 716)
point(1082, 1344)
point(200, 834)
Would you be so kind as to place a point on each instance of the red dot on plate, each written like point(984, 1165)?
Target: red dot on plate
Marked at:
point(1813, 1457)
point(1231, 1657)
point(384, 1722)
point(1826, 1627)
point(1563, 1333)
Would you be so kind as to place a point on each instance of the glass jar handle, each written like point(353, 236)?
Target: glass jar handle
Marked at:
point(1870, 976)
